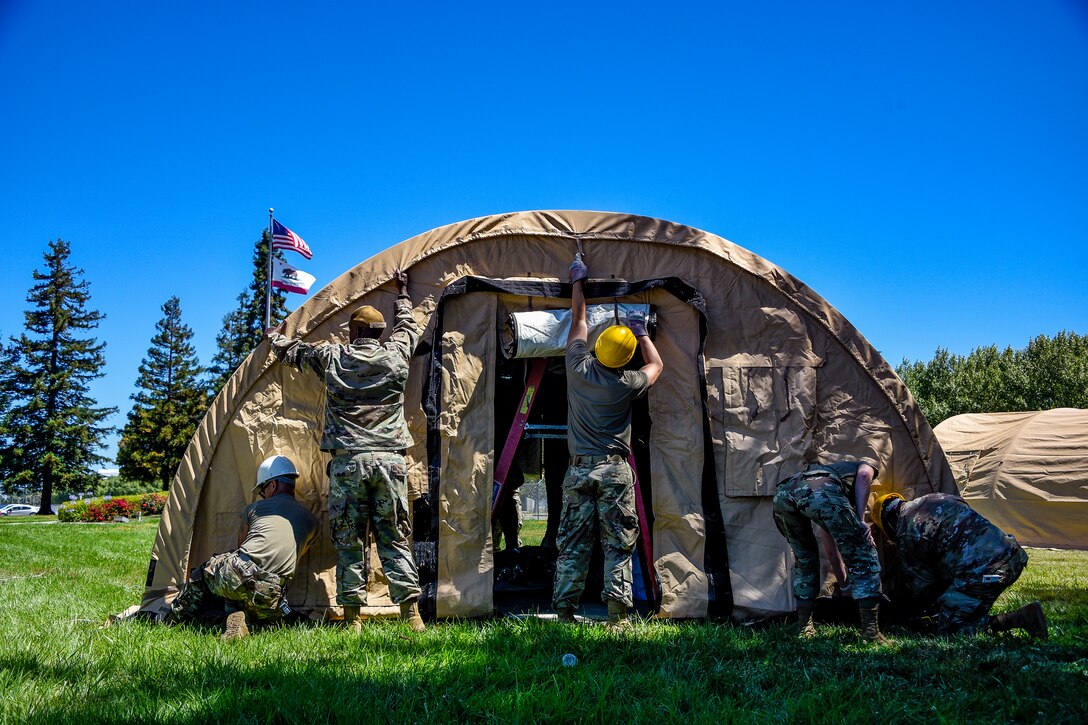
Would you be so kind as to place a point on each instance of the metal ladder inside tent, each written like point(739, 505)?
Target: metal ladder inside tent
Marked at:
point(521, 428)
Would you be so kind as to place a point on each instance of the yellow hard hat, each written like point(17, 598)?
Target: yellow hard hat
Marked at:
point(878, 509)
point(615, 346)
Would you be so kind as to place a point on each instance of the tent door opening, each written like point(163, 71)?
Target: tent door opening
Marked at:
point(465, 407)
point(531, 458)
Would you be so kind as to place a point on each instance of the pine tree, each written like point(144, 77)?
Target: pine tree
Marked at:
point(243, 327)
point(7, 361)
point(170, 400)
point(54, 428)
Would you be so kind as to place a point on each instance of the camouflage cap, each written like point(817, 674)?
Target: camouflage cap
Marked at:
point(368, 317)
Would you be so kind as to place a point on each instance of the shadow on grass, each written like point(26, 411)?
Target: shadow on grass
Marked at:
point(510, 671)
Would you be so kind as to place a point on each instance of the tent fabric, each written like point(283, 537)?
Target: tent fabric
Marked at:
point(1025, 472)
point(770, 372)
point(461, 511)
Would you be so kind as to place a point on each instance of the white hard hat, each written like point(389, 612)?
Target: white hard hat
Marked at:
point(275, 467)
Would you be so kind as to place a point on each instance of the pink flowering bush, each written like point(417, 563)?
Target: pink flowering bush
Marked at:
point(101, 510)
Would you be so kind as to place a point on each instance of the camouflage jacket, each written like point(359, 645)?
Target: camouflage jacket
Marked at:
point(365, 382)
point(940, 539)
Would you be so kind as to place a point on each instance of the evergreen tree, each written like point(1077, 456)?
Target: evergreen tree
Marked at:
point(7, 361)
point(243, 327)
point(54, 428)
point(170, 400)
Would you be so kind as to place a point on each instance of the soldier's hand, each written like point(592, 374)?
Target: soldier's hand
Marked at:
point(636, 321)
point(578, 269)
point(275, 328)
point(402, 282)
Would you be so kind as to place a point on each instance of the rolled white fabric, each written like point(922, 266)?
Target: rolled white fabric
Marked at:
point(543, 333)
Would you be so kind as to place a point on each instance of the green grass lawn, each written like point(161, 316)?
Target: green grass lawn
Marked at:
point(532, 531)
point(60, 582)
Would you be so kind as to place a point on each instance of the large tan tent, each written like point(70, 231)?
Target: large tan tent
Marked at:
point(1025, 472)
point(761, 374)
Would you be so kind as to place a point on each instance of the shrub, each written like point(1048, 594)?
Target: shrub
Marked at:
point(103, 510)
point(72, 511)
point(152, 504)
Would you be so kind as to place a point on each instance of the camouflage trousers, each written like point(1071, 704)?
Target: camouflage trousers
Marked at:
point(368, 492)
point(598, 499)
point(965, 605)
point(800, 502)
point(234, 577)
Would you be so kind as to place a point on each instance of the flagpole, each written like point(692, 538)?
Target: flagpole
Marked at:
point(268, 276)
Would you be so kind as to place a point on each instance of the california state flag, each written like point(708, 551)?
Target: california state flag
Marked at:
point(290, 279)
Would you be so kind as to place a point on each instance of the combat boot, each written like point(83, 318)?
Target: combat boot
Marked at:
point(409, 611)
point(352, 620)
point(565, 614)
point(1029, 617)
point(235, 627)
point(870, 628)
point(617, 617)
point(805, 628)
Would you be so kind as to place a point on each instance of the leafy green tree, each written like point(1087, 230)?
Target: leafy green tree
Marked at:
point(243, 327)
point(1056, 371)
point(53, 427)
point(1048, 373)
point(170, 400)
point(989, 380)
point(932, 383)
point(121, 486)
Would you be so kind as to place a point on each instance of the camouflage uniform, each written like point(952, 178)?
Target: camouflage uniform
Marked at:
point(950, 553)
point(369, 491)
point(824, 494)
point(598, 489)
point(279, 530)
point(237, 579)
point(601, 492)
point(367, 434)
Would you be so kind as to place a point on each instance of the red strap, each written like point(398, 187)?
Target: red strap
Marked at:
point(517, 429)
point(644, 532)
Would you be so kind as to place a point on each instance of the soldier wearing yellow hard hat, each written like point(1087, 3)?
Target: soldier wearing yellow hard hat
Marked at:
point(598, 490)
point(952, 557)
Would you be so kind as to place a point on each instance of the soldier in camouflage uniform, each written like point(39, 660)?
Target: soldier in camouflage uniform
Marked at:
point(833, 496)
point(249, 583)
point(366, 433)
point(598, 490)
point(950, 554)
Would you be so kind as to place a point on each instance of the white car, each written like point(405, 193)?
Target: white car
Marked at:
point(18, 509)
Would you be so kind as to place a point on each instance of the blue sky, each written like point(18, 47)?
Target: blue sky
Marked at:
point(923, 166)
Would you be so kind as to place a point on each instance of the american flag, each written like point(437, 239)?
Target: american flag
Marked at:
point(284, 238)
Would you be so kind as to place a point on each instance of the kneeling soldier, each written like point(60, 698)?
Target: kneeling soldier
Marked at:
point(950, 553)
point(276, 531)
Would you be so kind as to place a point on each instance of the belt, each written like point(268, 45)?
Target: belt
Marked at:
point(805, 476)
point(594, 460)
point(336, 452)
